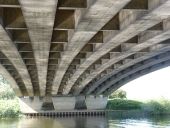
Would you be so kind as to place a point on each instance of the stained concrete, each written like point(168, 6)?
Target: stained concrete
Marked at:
point(77, 48)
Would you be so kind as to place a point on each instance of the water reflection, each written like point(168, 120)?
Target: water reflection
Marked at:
point(154, 122)
point(81, 122)
point(86, 122)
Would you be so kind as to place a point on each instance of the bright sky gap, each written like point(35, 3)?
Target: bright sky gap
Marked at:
point(154, 85)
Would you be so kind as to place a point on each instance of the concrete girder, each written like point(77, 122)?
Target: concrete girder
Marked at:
point(5, 62)
point(72, 4)
point(146, 43)
point(97, 84)
point(138, 57)
point(8, 48)
point(139, 73)
point(149, 62)
point(89, 24)
point(136, 48)
point(59, 51)
point(39, 16)
point(130, 31)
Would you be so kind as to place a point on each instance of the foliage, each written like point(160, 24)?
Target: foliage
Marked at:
point(9, 108)
point(157, 107)
point(153, 107)
point(118, 94)
point(6, 92)
point(123, 104)
point(9, 104)
point(3, 80)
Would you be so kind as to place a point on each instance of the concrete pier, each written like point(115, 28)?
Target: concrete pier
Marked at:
point(64, 103)
point(31, 104)
point(94, 103)
point(36, 104)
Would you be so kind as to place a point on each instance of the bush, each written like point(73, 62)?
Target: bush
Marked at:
point(123, 104)
point(160, 107)
point(9, 104)
point(118, 94)
point(6, 93)
point(9, 108)
point(157, 107)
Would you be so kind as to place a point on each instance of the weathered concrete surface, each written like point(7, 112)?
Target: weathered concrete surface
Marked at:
point(93, 20)
point(163, 35)
point(8, 48)
point(34, 104)
point(146, 55)
point(39, 16)
point(64, 103)
point(130, 31)
point(137, 74)
point(30, 105)
point(95, 103)
point(65, 48)
point(153, 61)
point(80, 103)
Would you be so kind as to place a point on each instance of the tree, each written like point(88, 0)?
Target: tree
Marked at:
point(118, 94)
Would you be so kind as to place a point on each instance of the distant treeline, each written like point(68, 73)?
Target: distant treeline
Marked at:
point(153, 107)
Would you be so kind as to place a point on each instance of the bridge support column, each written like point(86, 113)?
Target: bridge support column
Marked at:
point(37, 104)
point(64, 103)
point(80, 103)
point(30, 104)
point(48, 103)
point(94, 103)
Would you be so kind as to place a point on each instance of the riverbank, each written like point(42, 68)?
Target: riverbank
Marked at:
point(132, 108)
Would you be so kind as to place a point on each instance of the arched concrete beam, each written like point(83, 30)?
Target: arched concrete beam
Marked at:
point(146, 43)
point(40, 24)
point(11, 81)
point(147, 63)
point(152, 18)
point(91, 22)
point(140, 66)
point(95, 85)
point(9, 49)
point(138, 74)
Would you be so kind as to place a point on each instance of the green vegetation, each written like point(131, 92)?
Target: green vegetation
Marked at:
point(118, 94)
point(123, 104)
point(9, 108)
point(9, 104)
point(118, 101)
point(160, 107)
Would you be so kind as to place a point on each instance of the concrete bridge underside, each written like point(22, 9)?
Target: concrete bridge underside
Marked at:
point(74, 53)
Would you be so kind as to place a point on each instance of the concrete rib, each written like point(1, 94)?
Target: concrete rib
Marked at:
point(9, 49)
point(39, 16)
point(97, 15)
point(155, 16)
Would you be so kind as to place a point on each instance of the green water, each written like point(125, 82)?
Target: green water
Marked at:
point(86, 122)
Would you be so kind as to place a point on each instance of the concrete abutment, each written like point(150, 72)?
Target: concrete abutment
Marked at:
point(42, 104)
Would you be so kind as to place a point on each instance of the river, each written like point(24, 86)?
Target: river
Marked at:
point(86, 122)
